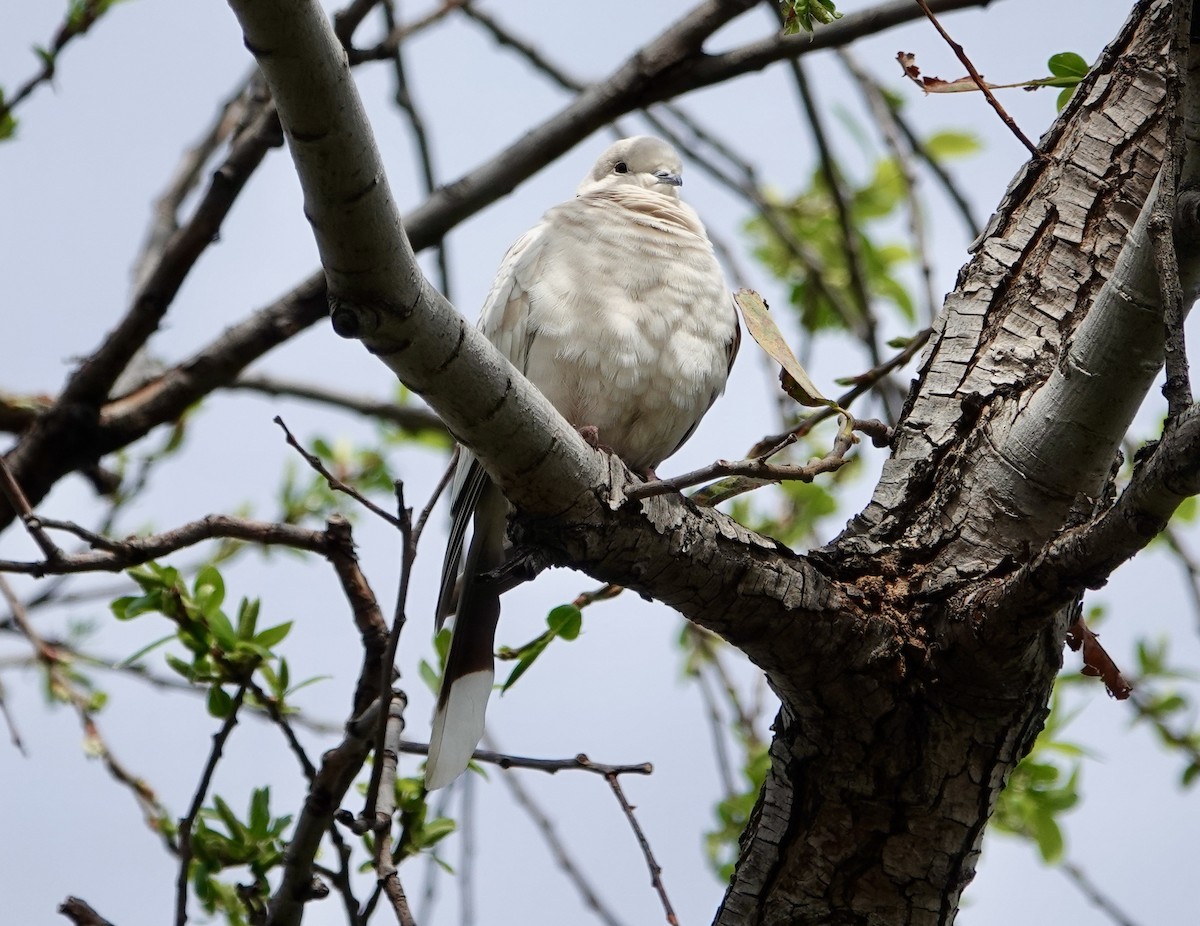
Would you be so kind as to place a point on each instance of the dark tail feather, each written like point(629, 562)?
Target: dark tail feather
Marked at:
point(470, 670)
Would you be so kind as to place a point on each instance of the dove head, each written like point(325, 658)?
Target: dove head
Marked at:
point(643, 161)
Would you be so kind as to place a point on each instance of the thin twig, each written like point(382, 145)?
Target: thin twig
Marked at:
point(398, 34)
point(133, 551)
point(371, 817)
point(467, 856)
point(558, 850)
point(82, 17)
point(979, 82)
point(867, 324)
point(80, 913)
point(971, 225)
point(188, 173)
point(189, 820)
point(1184, 742)
point(505, 761)
point(862, 383)
point(1093, 893)
point(410, 419)
point(1190, 565)
point(33, 524)
point(404, 99)
point(13, 733)
point(884, 115)
point(62, 686)
point(334, 483)
point(754, 468)
point(716, 728)
point(170, 683)
point(387, 758)
point(410, 537)
point(644, 843)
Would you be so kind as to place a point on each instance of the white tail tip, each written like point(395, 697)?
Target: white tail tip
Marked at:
point(457, 728)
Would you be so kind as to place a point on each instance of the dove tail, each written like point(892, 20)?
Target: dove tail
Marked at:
point(457, 727)
point(470, 670)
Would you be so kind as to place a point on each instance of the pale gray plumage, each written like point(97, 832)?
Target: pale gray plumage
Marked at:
point(615, 307)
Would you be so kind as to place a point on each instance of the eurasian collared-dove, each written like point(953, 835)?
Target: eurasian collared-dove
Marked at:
point(615, 307)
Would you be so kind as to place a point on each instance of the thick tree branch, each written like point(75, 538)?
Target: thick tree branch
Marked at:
point(1047, 346)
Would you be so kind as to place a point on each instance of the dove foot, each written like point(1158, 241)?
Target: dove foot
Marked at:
point(591, 436)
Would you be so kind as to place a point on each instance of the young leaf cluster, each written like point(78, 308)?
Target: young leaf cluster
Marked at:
point(222, 651)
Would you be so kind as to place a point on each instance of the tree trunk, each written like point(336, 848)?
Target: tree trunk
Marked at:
point(885, 773)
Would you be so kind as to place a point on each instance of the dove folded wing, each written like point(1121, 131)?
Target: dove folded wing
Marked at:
point(615, 307)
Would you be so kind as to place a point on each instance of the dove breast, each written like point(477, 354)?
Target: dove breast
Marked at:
point(627, 320)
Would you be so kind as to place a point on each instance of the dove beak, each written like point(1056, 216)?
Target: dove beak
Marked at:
point(665, 176)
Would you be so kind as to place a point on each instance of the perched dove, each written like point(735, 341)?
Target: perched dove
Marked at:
point(615, 307)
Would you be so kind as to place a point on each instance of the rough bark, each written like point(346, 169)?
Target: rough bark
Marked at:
point(881, 785)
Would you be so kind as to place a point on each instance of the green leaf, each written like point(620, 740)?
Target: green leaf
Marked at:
point(222, 630)
point(247, 618)
point(153, 577)
point(220, 702)
point(528, 655)
point(308, 681)
point(1068, 64)
point(229, 818)
point(183, 668)
point(802, 14)
point(429, 676)
point(952, 144)
point(130, 660)
point(566, 621)
point(209, 591)
point(1186, 512)
point(130, 606)
point(260, 811)
point(273, 635)
point(8, 124)
point(1049, 839)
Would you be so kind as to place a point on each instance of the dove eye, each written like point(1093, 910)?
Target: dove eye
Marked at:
point(621, 167)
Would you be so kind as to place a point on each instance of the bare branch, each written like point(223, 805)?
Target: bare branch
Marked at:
point(334, 483)
point(505, 761)
point(758, 469)
point(80, 18)
point(411, 419)
point(79, 913)
point(63, 687)
point(588, 893)
point(404, 99)
point(979, 82)
point(1092, 892)
point(864, 318)
point(134, 551)
point(386, 758)
point(189, 820)
point(655, 868)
